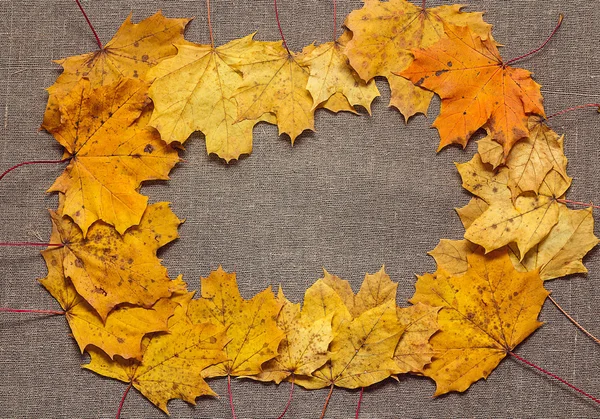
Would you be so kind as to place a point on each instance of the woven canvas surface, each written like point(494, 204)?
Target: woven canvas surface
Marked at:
point(358, 193)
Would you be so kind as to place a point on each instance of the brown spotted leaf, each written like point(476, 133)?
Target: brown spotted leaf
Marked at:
point(108, 269)
point(112, 151)
point(485, 313)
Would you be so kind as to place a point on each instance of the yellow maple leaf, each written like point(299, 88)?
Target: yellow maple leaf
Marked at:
point(384, 33)
point(112, 151)
point(451, 255)
point(485, 314)
point(172, 363)
point(525, 221)
point(471, 211)
point(108, 269)
point(135, 48)
point(477, 88)
point(122, 332)
point(251, 324)
point(562, 251)
point(330, 74)
point(322, 300)
point(531, 159)
point(414, 351)
point(193, 92)
point(366, 333)
point(304, 348)
point(274, 82)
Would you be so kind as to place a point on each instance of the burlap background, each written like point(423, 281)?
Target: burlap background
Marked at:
point(358, 193)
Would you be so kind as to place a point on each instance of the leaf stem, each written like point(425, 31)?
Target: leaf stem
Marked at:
point(89, 24)
point(556, 377)
point(558, 25)
point(574, 108)
point(362, 390)
point(568, 201)
point(580, 327)
point(327, 402)
point(423, 4)
point(16, 166)
point(289, 402)
point(17, 310)
point(334, 20)
point(230, 396)
point(279, 26)
point(210, 30)
point(123, 399)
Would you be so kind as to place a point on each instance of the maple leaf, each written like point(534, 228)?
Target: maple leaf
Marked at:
point(108, 269)
point(193, 91)
point(562, 251)
point(112, 152)
point(531, 159)
point(274, 82)
point(473, 210)
point(251, 324)
point(172, 363)
point(366, 334)
point(304, 348)
point(384, 33)
point(362, 351)
point(323, 300)
point(134, 49)
point(451, 255)
point(122, 331)
point(330, 74)
point(414, 351)
point(526, 221)
point(485, 314)
point(477, 89)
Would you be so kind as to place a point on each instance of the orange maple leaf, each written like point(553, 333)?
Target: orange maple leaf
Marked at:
point(135, 48)
point(478, 89)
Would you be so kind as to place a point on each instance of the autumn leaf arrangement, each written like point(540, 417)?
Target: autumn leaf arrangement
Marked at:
point(123, 112)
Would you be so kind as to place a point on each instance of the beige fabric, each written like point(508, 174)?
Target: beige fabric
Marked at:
point(358, 193)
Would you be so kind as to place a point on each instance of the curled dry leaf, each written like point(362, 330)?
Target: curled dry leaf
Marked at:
point(485, 313)
point(383, 35)
point(193, 92)
point(172, 363)
point(251, 324)
point(112, 152)
point(478, 90)
point(135, 48)
point(108, 269)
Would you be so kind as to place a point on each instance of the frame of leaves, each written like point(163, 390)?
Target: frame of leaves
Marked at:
point(498, 177)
